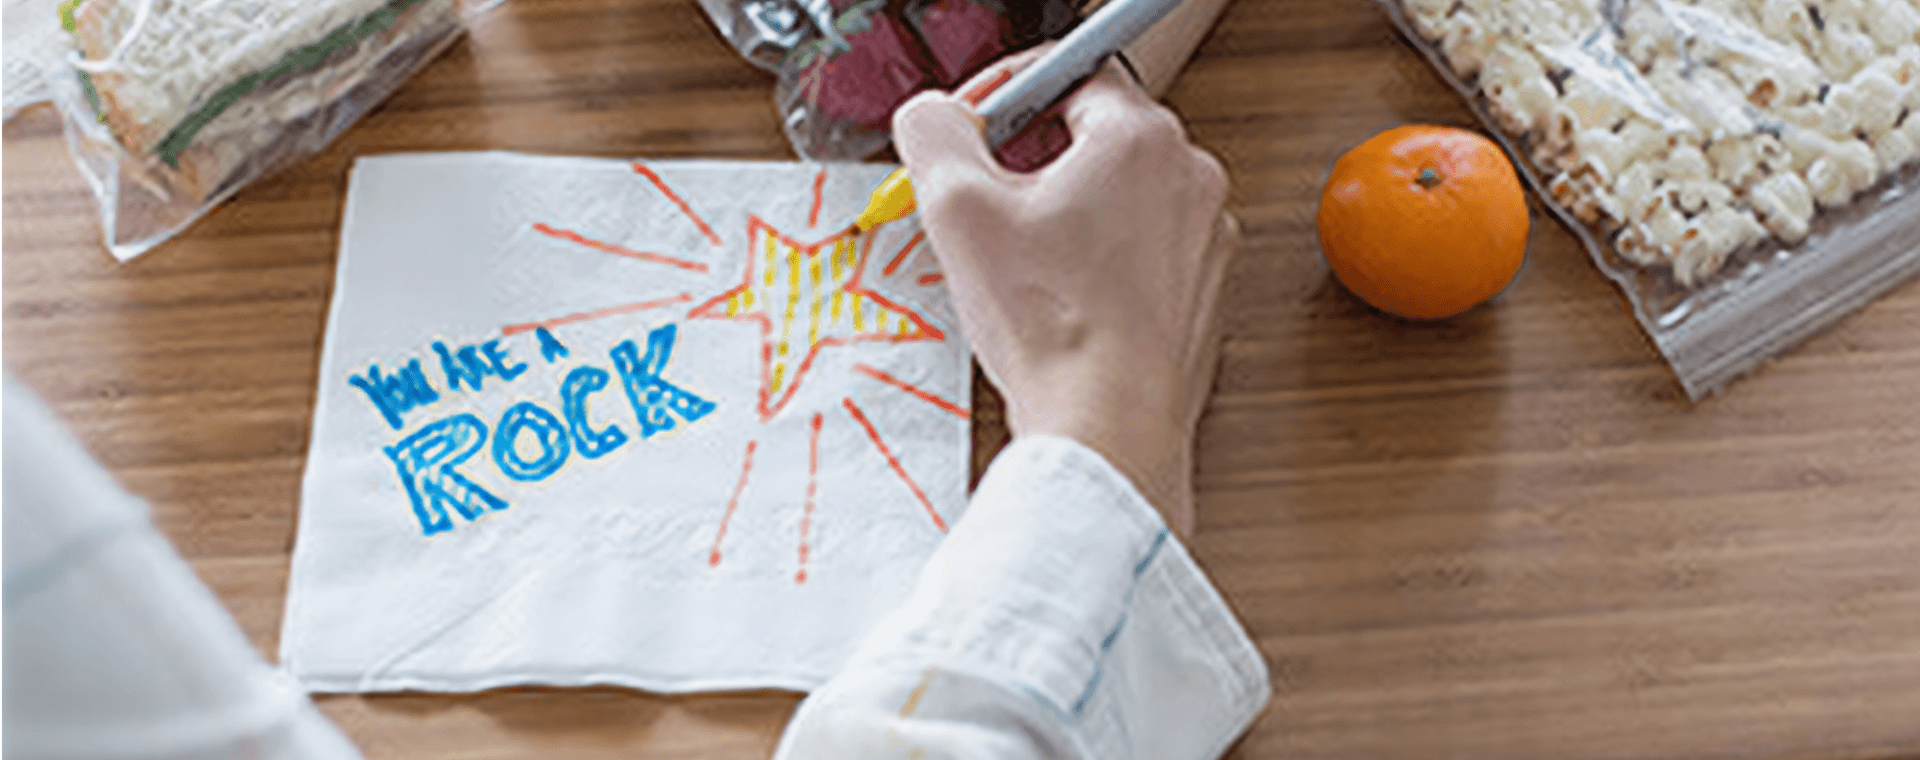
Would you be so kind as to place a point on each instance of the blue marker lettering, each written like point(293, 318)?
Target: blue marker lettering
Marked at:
point(472, 365)
point(547, 429)
point(469, 367)
point(426, 460)
point(654, 399)
point(497, 360)
point(550, 347)
point(573, 403)
point(398, 393)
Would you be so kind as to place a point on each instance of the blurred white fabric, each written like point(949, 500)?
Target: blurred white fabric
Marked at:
point(113, 647)
point(1060, 619)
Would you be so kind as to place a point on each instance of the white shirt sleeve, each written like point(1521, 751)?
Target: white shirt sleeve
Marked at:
point(1059, 619)
point(114, 648)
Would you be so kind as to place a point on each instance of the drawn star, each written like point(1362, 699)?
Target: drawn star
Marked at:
point(806, 297)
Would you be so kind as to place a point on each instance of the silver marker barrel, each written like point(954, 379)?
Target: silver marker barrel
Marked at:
point(1077, 56)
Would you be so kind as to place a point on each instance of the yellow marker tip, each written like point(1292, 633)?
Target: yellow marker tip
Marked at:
point(891, 201)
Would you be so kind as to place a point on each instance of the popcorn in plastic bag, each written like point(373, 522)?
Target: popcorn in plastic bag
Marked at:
point(1744, 170)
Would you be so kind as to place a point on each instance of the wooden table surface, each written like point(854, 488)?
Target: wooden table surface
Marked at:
point(1507, 535)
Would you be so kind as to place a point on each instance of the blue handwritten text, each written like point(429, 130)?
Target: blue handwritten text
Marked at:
point(530, 443)
point(397, 393)
point(472, 364)
point(655, 400)
point(550, 347)
point(573, 402)
point(426, 460)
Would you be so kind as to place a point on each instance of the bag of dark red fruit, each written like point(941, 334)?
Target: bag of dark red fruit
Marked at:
point(844, 65)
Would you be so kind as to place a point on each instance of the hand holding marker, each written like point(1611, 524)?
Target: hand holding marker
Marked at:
point(1009, 108)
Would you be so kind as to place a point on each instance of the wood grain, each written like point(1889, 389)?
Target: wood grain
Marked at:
point(1507, 535)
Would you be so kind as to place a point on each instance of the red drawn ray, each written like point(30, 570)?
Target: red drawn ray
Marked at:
point(819, 183)
point(901, 257)
point(597, 313)
point(948, 406)
point(658, 258)
point(713, 559)
point(892, 461)
point(715, 308)
point(929, 279)
point(678, 201)
point(806, 515)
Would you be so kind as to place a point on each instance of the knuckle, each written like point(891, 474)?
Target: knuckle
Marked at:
point(1230, 229)
point(1155, 126)
point(1226, 239)
point(1046, 209)
point(1210, 173)
point(912, 116)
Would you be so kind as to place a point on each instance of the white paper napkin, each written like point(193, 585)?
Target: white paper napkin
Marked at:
point(656, 424)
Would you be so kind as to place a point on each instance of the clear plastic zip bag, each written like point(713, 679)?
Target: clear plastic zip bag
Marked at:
point(172, 106)
point(1744, 170)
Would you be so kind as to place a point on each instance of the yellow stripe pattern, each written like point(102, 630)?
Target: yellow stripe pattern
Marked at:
point(804, 291)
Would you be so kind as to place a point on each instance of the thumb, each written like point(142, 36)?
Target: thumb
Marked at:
point(940, 142)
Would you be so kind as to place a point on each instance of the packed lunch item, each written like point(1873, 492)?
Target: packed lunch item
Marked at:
point(1743, 169)
point(844, 65)
point(171, 106)
point(31, 42)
